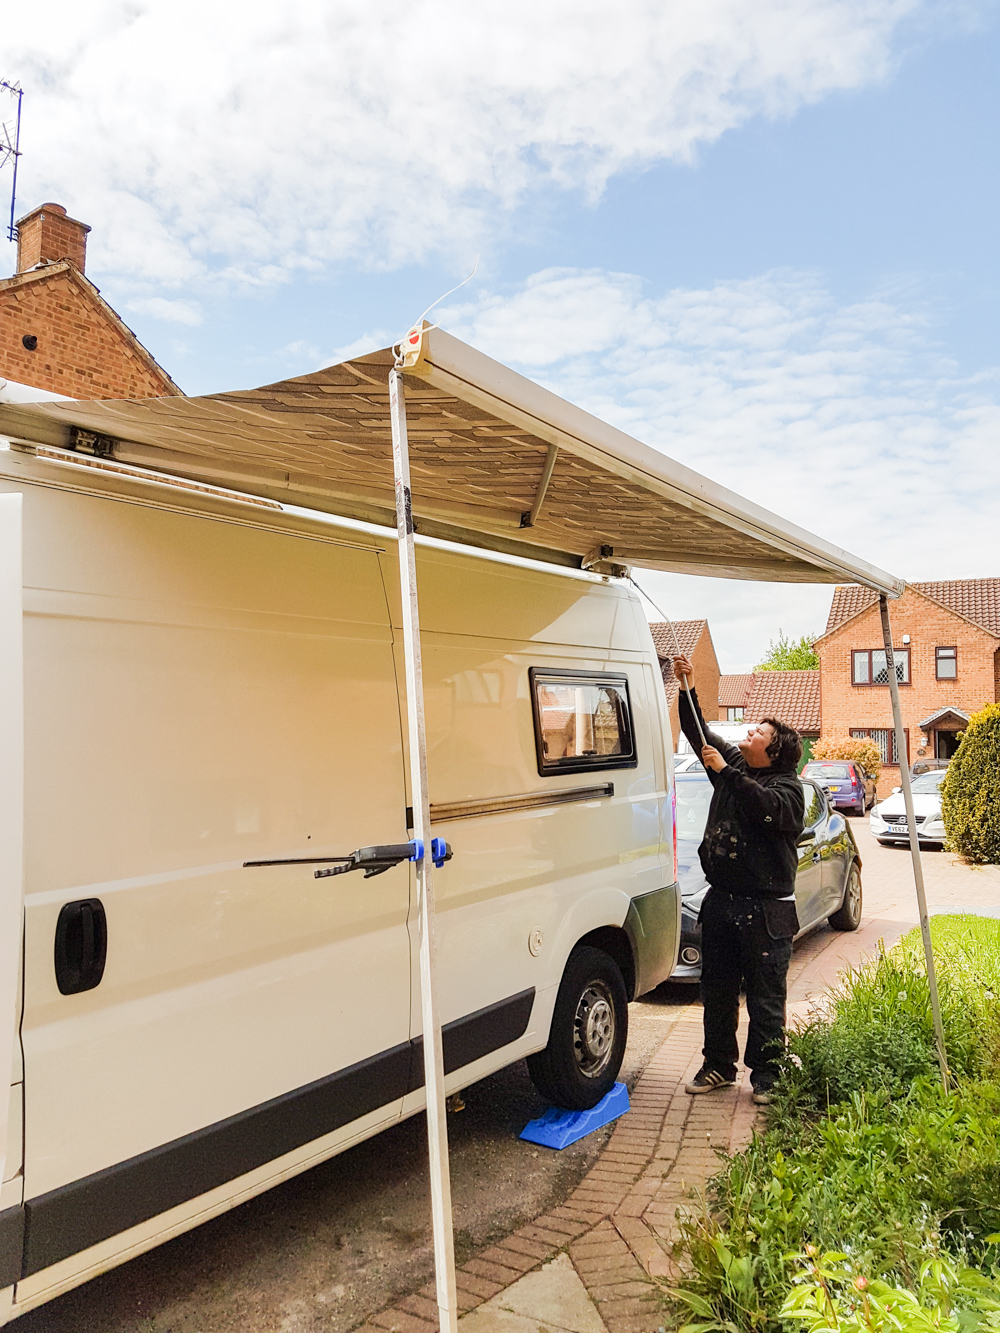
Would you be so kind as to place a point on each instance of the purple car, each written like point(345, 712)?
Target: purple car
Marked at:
point(848, 785)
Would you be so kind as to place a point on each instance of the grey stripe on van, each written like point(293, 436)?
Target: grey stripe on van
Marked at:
point(85, 1212)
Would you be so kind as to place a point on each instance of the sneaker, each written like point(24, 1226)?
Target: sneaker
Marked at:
point(708, 1080)
point(763, 1093)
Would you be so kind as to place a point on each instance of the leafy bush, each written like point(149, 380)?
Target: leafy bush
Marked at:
point(862, 750)
point(785, 654)
point(947, 1298)
point(971, 790)
point(865, 1153)
point(877, 1030)
point(832, 1293)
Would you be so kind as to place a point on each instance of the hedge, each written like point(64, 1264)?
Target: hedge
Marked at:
point(970, 792)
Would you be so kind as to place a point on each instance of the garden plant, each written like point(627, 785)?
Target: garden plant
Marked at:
point(863, 751)
point(872, 1199)
point(970, 793)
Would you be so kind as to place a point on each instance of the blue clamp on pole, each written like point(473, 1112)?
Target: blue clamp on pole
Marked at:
point(418, 850)
point(440, 852)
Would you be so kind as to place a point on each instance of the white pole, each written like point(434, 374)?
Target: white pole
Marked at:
point(911, 824)
point(437, 1127)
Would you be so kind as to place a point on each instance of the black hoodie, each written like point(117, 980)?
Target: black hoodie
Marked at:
point(754, 822)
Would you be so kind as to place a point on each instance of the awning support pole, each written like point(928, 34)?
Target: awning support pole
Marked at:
point(911, 824)
point(437, 1127)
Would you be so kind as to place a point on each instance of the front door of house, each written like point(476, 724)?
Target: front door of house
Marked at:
point(946, 743)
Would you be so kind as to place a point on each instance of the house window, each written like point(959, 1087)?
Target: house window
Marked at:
point(946, 663)
point(582, 721)
point(868, 666)
point(734, 714)
point(885, 739)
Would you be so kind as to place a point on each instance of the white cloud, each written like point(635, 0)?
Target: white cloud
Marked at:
point(172, 312)
point(237, 143)
point(846, 418)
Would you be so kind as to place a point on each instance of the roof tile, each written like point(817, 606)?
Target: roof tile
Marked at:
point(688, 633)
point(790, 696)
point(976, 599)
point(735, 689)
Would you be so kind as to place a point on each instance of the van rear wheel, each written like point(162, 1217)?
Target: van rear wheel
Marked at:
point(589, 1029)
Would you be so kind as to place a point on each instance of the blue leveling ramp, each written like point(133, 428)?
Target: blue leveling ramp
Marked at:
point(558, 1128)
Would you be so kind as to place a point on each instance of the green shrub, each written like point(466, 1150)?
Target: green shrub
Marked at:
point(877, 1031)
point(970, 793)
point(859, 748)
point(946, 1298)
point(865, 1153)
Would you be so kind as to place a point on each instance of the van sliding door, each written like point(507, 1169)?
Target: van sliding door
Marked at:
point(201, 694)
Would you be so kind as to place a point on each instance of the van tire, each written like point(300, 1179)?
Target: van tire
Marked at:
point(587, 1038)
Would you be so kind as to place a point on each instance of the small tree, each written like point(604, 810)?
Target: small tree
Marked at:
point(784, 655)
point(859, 748)
point(970, 793)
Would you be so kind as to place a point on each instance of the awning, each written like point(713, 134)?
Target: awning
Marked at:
point(497, 461)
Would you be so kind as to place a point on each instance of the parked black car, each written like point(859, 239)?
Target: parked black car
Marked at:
point(827, 885)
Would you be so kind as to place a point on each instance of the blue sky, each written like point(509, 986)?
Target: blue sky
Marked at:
point(760, 236)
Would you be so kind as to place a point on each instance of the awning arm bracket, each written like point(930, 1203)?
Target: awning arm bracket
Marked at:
point(530, 516)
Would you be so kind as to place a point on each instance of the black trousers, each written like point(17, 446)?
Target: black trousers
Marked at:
point(745, 943)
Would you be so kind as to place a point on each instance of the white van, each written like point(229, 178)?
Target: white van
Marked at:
point(212, 706)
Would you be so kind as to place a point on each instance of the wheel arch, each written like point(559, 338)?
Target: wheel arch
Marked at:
point(614, 941)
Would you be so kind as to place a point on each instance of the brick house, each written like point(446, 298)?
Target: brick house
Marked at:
point(734, 690)
point(790, 696)
point(946, 639)
point(56, 331)
point(695, 642)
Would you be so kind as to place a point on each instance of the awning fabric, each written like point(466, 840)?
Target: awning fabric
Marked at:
point(483, 441)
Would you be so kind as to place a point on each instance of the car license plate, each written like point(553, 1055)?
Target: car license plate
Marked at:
point(898, 828)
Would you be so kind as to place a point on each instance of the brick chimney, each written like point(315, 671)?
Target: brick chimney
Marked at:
point(47, 235)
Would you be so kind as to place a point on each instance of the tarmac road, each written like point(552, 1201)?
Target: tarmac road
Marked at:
point(325, 1250)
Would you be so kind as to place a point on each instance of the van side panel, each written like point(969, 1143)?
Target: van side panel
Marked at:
point(526, 884)
point(201, 694)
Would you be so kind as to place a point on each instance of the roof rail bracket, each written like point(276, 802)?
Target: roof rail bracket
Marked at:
point(90, 442)
point(599, 561)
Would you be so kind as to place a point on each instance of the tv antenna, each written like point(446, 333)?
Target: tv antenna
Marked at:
point(10, 147)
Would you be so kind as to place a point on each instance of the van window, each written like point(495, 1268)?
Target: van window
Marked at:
point(582, 721)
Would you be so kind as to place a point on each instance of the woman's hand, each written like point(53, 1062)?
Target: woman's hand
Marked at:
point(682, 668)
point(711, 758)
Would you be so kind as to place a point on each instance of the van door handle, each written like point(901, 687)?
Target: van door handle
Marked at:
point(81, 946)
point(372, 860)
point(376, 860)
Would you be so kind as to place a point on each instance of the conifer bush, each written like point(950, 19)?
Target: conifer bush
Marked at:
point(970, 793)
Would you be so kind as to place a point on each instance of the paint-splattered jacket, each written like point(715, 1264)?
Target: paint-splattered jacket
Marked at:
point(756, 815)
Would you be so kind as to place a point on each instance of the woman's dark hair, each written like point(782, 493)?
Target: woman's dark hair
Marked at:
point(785, 750)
